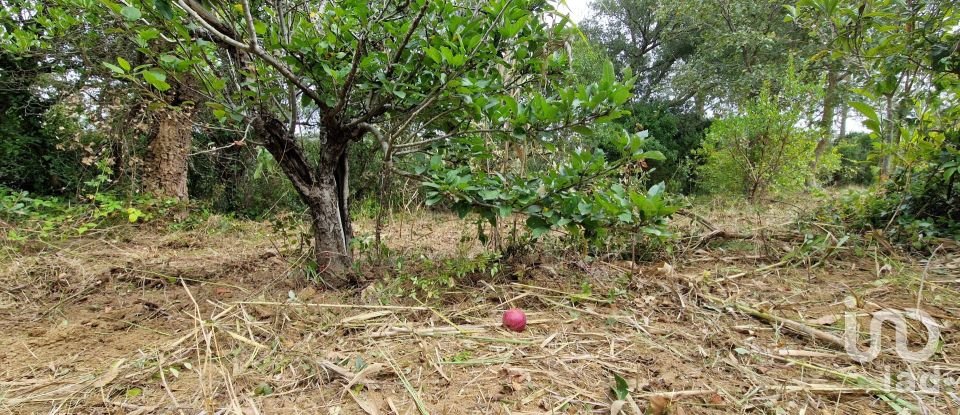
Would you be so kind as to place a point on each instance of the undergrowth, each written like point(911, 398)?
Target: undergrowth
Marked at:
point(27, 216)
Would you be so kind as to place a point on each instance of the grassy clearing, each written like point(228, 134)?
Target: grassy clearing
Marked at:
point(219, 318)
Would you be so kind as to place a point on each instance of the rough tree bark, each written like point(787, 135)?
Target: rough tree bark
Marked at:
point(322, 188)
point(165, 172)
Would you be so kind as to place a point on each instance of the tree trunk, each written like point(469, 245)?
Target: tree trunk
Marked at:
point(323, 189)
point(843, 120)
point(165, 172)
point(826, 125)
point(891, 134)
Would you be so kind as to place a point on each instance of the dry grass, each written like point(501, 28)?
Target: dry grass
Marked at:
point(217, 321)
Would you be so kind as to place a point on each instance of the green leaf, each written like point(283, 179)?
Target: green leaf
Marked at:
point(652, 155)
point(538, 226)
point(163, 7)
point(866, 110)
point(621, 390)
point(656, 190)
point(434, 54)
point(134, 392)
point(147, 35)
point(263, 389)
point(491, 194)
point(157, 79)
point(114, 68)
point(130, 12)
point(123, 64)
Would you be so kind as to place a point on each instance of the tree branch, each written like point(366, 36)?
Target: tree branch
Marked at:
point(202, 15)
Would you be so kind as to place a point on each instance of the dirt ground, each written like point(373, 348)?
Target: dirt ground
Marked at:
point(219, 319)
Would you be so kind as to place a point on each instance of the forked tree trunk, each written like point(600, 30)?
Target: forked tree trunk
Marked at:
point(323, 188)
point(165, 172)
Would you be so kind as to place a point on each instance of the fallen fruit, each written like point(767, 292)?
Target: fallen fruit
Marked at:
point(514, 319)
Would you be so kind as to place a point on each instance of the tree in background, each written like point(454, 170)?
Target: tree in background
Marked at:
point(906, 57)
point(763, 145)
point(73, 58)
point(718, 53)
point(443, 78)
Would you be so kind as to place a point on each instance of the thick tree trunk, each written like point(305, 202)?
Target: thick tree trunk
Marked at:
point(330, 229)
point(323, 189)
point(826, 125)
point(165, 172)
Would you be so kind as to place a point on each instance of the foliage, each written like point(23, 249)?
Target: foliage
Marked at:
point(429, 279)
point(417, 76)
point(43, 217)
point(855, 161)
point(675, 133)
point(762, 147)
point(575, 194)
point(716, 51)
point(909, 99)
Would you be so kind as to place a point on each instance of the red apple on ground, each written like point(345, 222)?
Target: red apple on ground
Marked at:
point(514, 319)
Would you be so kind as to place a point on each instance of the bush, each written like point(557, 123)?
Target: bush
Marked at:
point(915, 207)
point(676, 133)
point(43, 217)
point(761, 149)
point(855, 167)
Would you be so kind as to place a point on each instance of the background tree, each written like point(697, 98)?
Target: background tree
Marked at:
point(418, 76)
point(718, 52)
point(905, 56)
point(763, 145)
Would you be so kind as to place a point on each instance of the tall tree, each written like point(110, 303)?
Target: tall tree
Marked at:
point(720, 51)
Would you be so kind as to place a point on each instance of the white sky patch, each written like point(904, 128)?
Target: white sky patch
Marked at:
point(577, 9)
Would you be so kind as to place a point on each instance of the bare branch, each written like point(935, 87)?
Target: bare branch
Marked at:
point(248, 15)
point(348, 83)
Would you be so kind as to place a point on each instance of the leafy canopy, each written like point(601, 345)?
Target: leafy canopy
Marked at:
point(425, 76)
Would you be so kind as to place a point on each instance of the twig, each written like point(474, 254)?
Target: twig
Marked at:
point(761, 269)
point(331, 305)
point(793, 325)
point(923, 275)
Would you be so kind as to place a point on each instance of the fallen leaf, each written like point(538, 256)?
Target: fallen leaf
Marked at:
point(367, 406)
point(367, 372)
point(516, 377)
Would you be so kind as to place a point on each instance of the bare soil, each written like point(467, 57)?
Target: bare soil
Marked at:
point(220, 319)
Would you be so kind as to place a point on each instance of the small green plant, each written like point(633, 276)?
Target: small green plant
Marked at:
point(48, 216)
point(430, 278)
point(461, 356)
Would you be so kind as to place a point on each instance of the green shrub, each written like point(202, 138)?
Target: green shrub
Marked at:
point(915, 207)
point(760, 149)
point(44, 217)
point(856, 166)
